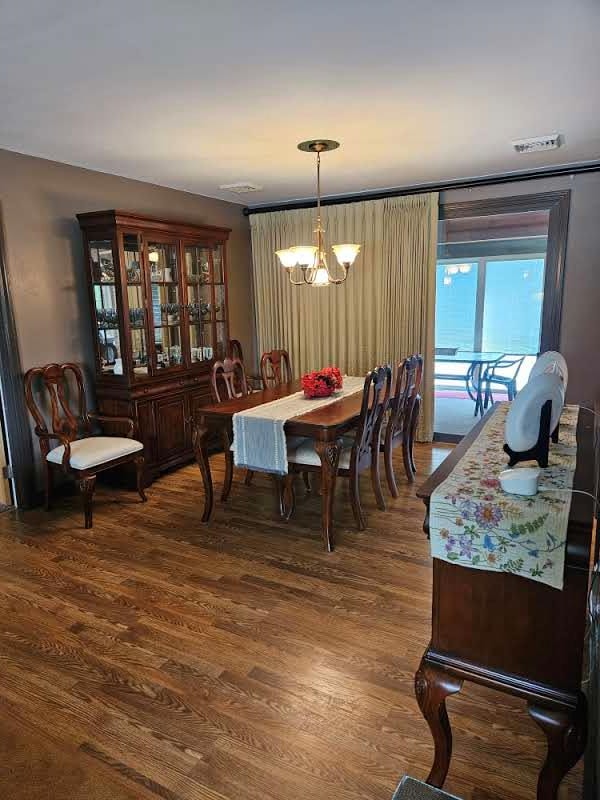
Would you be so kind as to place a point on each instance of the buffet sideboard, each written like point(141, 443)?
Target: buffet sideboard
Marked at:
point(512, 634)
point(159, 313)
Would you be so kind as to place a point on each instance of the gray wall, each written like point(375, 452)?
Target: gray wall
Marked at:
point(44, 255)
point(580, 326)
point(38, 203)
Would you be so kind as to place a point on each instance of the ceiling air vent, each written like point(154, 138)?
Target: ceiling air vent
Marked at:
point(242, 187)
point(537, 143)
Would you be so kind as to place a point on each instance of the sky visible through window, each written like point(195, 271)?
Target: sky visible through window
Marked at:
point(512, 305)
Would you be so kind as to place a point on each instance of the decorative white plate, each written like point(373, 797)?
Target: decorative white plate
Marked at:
point(552, 362)
point(523, 418)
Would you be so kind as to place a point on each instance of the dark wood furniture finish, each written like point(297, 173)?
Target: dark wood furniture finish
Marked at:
point(68, 425)
point(275, 368)
point(325, 425)
point(364, 453)
point(558, 204)
point(512, 634)
point(404, 408)
point(158, 297)
point(228, 379)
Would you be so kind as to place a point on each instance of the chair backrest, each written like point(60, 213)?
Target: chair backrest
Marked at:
point(376, 394)
point(67, 409)
point(275, 368)
point(234, 349)
point(508, 366)
point(408, 383)
point(228, 380)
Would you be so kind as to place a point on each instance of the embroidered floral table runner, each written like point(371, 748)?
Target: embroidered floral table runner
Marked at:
point(474, 523)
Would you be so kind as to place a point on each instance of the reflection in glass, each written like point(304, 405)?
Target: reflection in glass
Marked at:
point(103, 266)
point(106, 307)
point(201, 345)
point(131, 249)
point(218, 263)
point(167, 342)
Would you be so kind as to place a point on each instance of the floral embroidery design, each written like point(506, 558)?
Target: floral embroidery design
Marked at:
point(474, 523)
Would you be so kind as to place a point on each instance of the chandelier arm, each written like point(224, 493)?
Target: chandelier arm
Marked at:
point(292, 281)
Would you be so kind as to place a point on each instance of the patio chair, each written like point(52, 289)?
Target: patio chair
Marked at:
point(508, 381)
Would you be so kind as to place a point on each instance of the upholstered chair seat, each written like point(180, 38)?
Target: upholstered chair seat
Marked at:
point(304, 452)
point(95, 450)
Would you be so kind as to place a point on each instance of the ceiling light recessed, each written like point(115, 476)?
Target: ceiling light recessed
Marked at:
point(241, 187)
point(551, 141)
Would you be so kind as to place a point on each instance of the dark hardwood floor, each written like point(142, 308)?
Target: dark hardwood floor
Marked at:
point(154, 657)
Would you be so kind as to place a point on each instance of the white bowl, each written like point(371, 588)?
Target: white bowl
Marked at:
point(522, 480)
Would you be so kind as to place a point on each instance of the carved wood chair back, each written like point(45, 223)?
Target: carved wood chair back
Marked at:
point(403, 418)
point(228, 380)
point(408, 381)
point(275, 368)
point(376, 394)
point(62, 385)
point(234, 349)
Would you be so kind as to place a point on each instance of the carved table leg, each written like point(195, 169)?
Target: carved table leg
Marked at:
point(200, 432)
point(228, 465)
point(289, 496)
point(329, 453)
point(86, 487)
point(565, 732)
point(139, 472)
point(432, 686)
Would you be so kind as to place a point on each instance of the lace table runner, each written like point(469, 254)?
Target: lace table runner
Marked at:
point(474, 523)
point(259, 441)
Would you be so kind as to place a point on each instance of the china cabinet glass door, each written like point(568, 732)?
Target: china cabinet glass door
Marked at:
point(134, 277)
point(166, 305)
point(201, 312)
point(106, 306)
point(220, 304)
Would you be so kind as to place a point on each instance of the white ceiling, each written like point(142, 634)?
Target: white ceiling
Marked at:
point(193, 94)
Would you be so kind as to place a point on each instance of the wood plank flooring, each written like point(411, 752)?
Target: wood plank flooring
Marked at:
point(154, 657)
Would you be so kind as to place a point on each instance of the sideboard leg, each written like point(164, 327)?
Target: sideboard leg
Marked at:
point(565, 732)
point(432, 687)
point(200, 433)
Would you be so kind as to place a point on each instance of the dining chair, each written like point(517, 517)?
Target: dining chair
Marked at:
point(80, 453)
point(234, 350)
point(228, 381)
point(275, 368)
point(507, 381)
point(359, 451)
point(400, 422)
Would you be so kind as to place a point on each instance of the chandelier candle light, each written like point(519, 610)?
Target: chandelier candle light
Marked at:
point(308, 263)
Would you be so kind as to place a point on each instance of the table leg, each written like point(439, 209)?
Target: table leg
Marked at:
point(432, 686)
point(329, 453)
point(227, 439)
point(565, 731)
point(199, 434)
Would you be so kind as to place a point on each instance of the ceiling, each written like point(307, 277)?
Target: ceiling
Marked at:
point(194, 94)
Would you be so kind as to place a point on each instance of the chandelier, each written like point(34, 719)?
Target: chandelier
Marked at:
point(307, 264)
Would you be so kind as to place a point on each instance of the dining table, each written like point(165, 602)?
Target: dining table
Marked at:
point(325, 425)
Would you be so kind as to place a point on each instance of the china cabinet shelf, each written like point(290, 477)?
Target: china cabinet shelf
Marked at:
point(156, 372)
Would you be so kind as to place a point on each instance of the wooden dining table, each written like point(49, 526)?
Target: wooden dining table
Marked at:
point(326, 425)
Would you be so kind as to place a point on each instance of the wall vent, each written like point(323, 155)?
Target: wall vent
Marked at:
point(550, 142)
point(242, 187)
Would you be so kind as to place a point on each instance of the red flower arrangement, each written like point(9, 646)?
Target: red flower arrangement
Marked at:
point(322, 383)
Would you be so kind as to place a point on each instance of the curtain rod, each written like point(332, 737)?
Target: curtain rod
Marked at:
point(465, 183)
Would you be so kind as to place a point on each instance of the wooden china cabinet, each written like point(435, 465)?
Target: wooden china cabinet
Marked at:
point(158, 297)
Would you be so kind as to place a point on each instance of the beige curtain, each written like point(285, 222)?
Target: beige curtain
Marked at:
point(382, 313)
